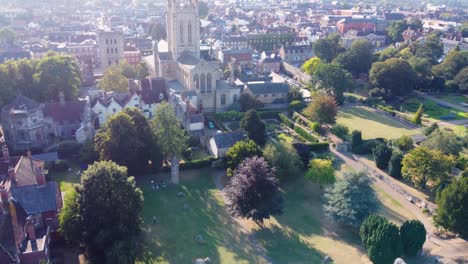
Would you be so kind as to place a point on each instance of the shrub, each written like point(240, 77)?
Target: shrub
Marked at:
point(356, 140)
point(394, 168)
point(296, 105)
point(418, 115)
point(304, 133)
point(382, 154)
point(69, 149)
point(56, 165)
point(268, 114)
point(229, 116)
point(431, 129)
point(286, 120)
point(413, 236)
point(315, 127)
point(404, 143)
point(197, 164)
point(340, 131)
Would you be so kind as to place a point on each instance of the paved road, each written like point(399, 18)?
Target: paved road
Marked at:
point(445, 250)
point(442, 102)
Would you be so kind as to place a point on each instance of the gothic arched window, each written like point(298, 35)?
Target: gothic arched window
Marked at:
point(181, 33)
point(223, 99)
point(189, 31)
point(202, 83)
point(197, 83)
point(208, 82)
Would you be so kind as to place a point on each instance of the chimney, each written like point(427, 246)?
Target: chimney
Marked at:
point(62, 98)
point(30, 229)
point(12, 175)
point(5, 153)
point(40, 176)
point(5, 196)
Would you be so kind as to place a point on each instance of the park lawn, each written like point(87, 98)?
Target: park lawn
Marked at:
point(431, 109)
point(172, 239)
point(454, 99)
point(371, 123)
point(66, 179)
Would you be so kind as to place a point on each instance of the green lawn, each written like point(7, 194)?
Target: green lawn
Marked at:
point(431, 109)
point(454, 99)
point(172, 239)
point(371, 123)
point(66, 179)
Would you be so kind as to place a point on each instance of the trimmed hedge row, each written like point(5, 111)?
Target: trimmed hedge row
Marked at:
point(286, 120)
point(304, 133)
point(231, 116)
point(193, 164)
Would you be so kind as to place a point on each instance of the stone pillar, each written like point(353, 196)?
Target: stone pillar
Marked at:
point(175, 170)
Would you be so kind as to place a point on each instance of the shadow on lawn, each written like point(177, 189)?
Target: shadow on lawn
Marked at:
point(181, 219)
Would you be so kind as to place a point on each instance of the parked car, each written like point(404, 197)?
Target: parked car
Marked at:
point(211, 125)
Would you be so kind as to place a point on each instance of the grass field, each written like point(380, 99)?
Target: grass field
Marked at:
point(371, 123)
point(431, 109)
point(454, 99)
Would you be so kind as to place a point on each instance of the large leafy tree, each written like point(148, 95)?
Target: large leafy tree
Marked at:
point(240, 151)
point(333, 79)
point(248, 102)
point(120, 140)
point(413, 236)
point(321, 171)
point(254, 191)
point(381, 239)
point(351, 199)
point(395, 29)
point(452, 207)
point(157, 31)
point(323, 109)
point(452, 64)
point(113, 80)
point(394, 75)
point(254, 127)
point(284, 158)
point(423, 165)
point(311, 65)
point(7, 36)
point(358, 58)
point(382, 154)
point(56, 74)
point(461, 79)
point(432, 48)
point(170, 136)
point(103, 215)
point(446, 142)
point(328, 48)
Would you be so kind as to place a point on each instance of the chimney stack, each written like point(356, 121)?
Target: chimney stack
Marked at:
point(30, 229)
point(12, 175)
point(40, 176)
point(5, 196)
point(5, 153)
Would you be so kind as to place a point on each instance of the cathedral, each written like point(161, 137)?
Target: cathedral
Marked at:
point(187, 72)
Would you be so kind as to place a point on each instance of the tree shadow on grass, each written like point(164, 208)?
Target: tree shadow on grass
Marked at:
point(200, 212)
point(286, 247)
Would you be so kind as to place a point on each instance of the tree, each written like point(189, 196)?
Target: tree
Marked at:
point(321, 171)
point(433, 127)
point(452, 207)
point(239, 152)
point(413, 236)
point(104, 214)
point(340, 131)
point(328, 48)
point(395, 166)
point(203, 9)
point(254, 192)
point(333, 79)
point(432, 48)
point(461, 79)
point(248, 101)
point(68, 149)
point(7, 36)
point(170, 136)
point(446, 142)
point(452, 64)
point(113, 80)
point(382, 154)
point(311, 65)
point(142, 71)
point(358, 58)
point(415, 24)
point(423, 165)
point(404, 143)
point(395, 29)
point(127, 70)
point(56, 74)
point(381, 239)
point(417, 119)
point(284, 158)
point(356, 139)
point(351, 199)
point(119, 140)
point(157, 31)
point(254, 126)
point(323, 109)
point(394, 75)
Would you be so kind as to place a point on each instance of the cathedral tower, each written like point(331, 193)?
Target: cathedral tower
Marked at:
point(183, 27)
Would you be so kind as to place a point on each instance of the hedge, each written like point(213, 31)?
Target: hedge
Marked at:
point(318, 146)
point(229, 116)
point(268, 114)
point(286, 120)
point(304, 133)
point(194, 164)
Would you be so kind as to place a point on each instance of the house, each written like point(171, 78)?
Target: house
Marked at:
point(410, 35)
point(220, 143)
point(28, 124)
point(296, 54)
point(268, 65)
point(268, 92)
point(29, 209)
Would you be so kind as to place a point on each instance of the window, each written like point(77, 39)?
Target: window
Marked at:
point(223, 99)
point(202, 83)
point(189, 29)
point(208, 83)
point(107, 42)
point(107, 50)
point(197, 83)
point(115, 41)
point(181, 33)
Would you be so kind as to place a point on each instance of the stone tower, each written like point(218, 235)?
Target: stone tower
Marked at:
point(183, 27)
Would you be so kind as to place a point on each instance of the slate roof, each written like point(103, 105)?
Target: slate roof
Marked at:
point(188, 59)
point(36, 199)
point(268, 88)
point(69, 111)
point(224, 85)
point(21, 103)
point(7, 240)
point(165, 56)
point(227, 140)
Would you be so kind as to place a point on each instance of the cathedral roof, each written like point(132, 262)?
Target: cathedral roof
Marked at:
point(188, 59)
